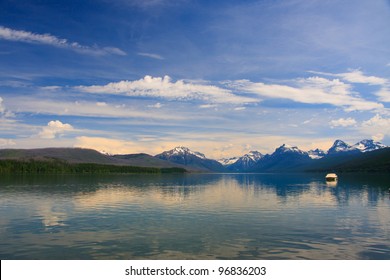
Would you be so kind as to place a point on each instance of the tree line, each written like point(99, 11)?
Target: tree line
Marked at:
point(62, 167)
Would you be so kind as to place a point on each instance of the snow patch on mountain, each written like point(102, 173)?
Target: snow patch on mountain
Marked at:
point(340, 146)
point(183, 151)
point(368, 145)
point(254, 155)
point(245, 161)
point(316, 154)
point(289, 149)
point(227, 161)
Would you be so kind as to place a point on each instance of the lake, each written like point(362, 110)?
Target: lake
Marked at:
point(195, 216)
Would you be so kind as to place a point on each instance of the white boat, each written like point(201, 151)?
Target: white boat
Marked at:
point(331, 177)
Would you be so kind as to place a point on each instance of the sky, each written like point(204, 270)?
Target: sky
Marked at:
point(220, 77)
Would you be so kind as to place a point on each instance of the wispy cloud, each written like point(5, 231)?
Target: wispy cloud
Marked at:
point(3, 111)
point(1, 106)
point(84, 109)
point(356, 76)
point(168, 89)
point(313, 90)
point(152, 55)
point(158, 105)
point(48, 39)
point(207, 106)
point(343, 122)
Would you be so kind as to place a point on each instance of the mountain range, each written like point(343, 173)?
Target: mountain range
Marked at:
point(284, 159)
point(366, 155)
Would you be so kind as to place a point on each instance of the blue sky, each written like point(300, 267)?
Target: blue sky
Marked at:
point(221, 77)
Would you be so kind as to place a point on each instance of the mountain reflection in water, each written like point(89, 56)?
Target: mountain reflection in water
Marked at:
point(195, 216)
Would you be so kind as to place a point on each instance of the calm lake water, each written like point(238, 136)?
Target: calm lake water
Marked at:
point(196, 216)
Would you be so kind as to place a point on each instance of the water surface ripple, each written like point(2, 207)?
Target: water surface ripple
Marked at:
point(195, 216)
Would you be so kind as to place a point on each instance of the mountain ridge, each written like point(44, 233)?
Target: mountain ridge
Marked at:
point(82, 155)
point(285, 158)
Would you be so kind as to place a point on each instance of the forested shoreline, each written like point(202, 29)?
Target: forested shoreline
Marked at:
point(62, 167)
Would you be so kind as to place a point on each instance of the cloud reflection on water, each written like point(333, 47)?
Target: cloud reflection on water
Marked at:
point(195, 216)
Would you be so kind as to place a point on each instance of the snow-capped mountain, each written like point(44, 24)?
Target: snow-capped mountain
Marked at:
point(288, 149)
point(285, 157)
point(182, 152)
point(196, 160)
point(368, 145)
point(246, 161)
point(316, 154)
point(340, 146)
point(252, 156)
point(227, 161)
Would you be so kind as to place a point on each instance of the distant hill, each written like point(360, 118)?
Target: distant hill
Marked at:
point(146, 160)
point(71, 155)
point(80, 155)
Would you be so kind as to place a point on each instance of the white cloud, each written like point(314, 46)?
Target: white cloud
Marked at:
point(84, 109)
point(51, 88)
point(6, 142)
point(48, 39)
point(3, 111)
point(152, 55)
point(343, 122)
point(53, 129)
point(313, 90)
point(166, 88)
point(356, 76)
point(113, 50)
point(158, 105)
point(378, 137)
point(1, 106)
point(384, 94)
point(377, 127)
point(307, 121)
point(207, 106)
